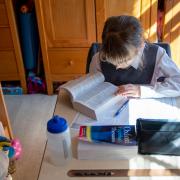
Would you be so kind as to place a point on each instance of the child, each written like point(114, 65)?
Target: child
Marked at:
point(138, 68)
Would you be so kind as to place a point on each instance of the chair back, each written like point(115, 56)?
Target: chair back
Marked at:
point(166, 46)
point(95, 47)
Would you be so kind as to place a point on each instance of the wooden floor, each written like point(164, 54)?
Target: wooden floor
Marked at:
point(29, 115)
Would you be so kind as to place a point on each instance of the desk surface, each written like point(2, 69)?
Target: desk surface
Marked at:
point(145, 166)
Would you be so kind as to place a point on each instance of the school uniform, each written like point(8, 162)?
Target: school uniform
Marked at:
point(155, 72)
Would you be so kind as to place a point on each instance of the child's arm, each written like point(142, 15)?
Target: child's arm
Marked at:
point(168, 73)
point(129, 90)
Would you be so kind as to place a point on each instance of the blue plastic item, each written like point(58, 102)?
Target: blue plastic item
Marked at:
point(115, 134)
point(10, 150)
point(29, 39)
point(12, 90)
point(57, 125)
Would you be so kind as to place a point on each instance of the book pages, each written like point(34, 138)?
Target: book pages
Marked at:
point(92, 96)
point(98, 95)
point(102, 151)
point(79, 86)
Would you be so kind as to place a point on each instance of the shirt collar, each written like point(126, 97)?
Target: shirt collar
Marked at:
point(136, 62)
point(138, 59)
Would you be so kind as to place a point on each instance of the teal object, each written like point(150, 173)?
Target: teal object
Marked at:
point(12, 90)
point(29, 39)
point(11, 151)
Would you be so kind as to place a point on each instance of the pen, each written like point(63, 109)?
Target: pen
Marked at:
point(121, 108)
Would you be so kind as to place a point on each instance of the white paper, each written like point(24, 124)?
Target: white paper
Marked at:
point(164, 108)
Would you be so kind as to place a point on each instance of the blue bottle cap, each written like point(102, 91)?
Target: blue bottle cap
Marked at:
point(57, 125)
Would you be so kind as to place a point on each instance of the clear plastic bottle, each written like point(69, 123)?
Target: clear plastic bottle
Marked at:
point(59, 141)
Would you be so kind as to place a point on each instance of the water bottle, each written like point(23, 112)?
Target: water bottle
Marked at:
point(59, 141)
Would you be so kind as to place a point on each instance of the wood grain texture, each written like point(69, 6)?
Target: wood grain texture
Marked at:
point(43, 41)
point(29, 115)
point(68, 60)
point(8, 59)
point(171, 28)
point(3, 15)
point(65, 24)
point(4, 117)
point(11, 62)
point(16, 43)
point(148, 18)
point(6, 39)
point(69, 23)
point(145, 11)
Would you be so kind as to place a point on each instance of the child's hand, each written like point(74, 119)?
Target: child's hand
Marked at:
point(129, 90)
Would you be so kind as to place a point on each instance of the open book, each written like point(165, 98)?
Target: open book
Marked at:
point(92, 96)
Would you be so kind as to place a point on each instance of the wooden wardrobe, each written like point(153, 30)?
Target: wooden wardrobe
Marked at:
point(68, 27)
point(11, 62)
point(4, 118)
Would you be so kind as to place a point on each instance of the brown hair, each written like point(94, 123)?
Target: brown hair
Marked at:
point(120, 35)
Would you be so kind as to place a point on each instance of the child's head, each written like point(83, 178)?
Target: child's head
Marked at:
point(122, 38)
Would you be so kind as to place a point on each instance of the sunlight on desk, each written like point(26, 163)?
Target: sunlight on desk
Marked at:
point(165, 108)
point(140, 167)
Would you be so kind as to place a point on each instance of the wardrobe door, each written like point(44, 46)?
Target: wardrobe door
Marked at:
point(11, 61)
point(171, 28)
point(69, 23)
point(145, 11)
point(67, 29)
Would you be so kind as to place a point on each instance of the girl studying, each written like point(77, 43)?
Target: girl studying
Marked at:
point(139, 69)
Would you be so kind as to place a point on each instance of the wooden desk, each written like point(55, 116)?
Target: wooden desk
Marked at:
point(4, 118)
point(166, 167)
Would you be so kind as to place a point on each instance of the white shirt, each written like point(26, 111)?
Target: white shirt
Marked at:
point(164, 67)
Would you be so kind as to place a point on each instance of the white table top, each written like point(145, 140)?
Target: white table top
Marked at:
point(165, 167)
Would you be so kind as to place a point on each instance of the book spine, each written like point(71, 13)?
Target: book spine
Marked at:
point(122, 134)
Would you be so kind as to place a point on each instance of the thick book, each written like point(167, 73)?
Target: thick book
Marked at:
point(107, 142)
point(92, 96)
point(104, 151)
point(115, 134)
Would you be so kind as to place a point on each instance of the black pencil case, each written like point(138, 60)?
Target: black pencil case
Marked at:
point(158, 136)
